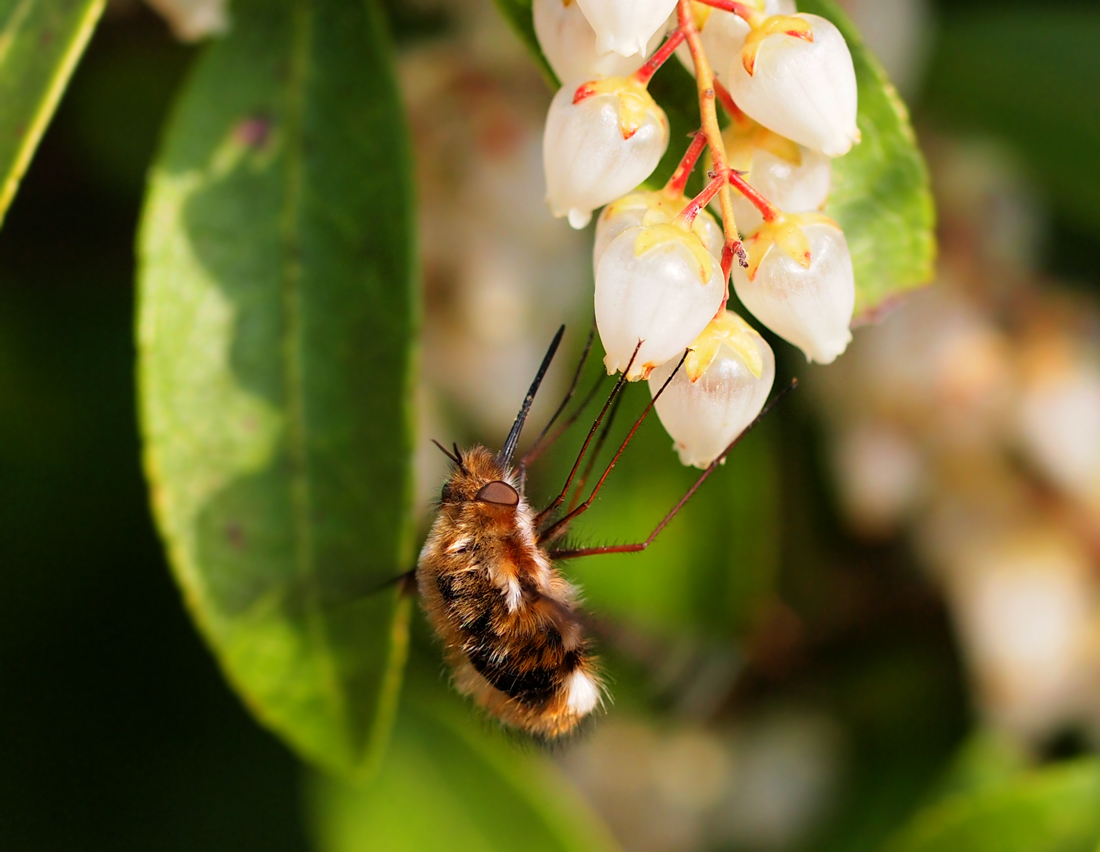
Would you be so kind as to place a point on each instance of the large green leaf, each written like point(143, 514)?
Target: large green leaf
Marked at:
point(1056, 810)
point(40, 44)
point(278, 313)
point(880, 196)
point(450, 781)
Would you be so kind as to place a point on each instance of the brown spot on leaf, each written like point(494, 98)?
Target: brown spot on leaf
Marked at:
point(234, 534)
point(254, 132)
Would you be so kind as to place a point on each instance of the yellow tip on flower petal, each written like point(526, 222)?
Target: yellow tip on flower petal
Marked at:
point(726, 329)
point(775, 25)
point(634, 101)
point(786, 233)
point(668, 232)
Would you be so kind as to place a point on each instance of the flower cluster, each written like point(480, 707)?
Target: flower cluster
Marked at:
point(662, 262)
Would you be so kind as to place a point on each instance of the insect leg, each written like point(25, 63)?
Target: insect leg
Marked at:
point(558, 527)
point(406, 582)
point(595, 454)
point(642, 545)
point(615, 391)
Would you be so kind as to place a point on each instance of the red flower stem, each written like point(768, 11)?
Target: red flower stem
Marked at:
point(704, 79)
point(644, 74)
point(768, 210)
point(679, 179)
point(728, 103)
point(688, 214)
point(739, 9)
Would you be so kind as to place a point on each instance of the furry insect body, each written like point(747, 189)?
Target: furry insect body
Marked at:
point(506, 616)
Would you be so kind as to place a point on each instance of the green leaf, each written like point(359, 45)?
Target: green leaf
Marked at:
point(1055, 810)
point(451, 782)
point(880, 196)
point(1029, 77)
point(40, 44)
point(277, 318)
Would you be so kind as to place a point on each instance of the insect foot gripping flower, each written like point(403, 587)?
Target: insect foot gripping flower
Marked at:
point(652, 208)
point(793, 177)
point(658, 285)
point(602, 139)
point(625, 26)
point(721, 389)
point(801, 88)
point(723, 33)
point(800, 284)
point(569, 44)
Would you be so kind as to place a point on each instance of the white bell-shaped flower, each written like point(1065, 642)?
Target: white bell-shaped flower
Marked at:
point(800, 283)
point(602, 139)
point(658, 286)
point(626, 26)
point(569, 44)
point(804, 90)
point(719, 390)
point(794, 178)
point(723, 33)
point(652, 208)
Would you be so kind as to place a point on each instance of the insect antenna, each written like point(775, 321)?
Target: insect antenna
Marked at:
point(559, 526)
point(615, 391)
point(452, 456)
point(505, 454)
point(642, 545)
point(536, 448)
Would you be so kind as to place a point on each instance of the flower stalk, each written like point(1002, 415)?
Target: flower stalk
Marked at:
point(704, 78)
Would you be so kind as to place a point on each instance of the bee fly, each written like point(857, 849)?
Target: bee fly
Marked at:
point(507, 618)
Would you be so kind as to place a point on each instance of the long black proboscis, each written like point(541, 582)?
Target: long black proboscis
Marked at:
point(505, 454)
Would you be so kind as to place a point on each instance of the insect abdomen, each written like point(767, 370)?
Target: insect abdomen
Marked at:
point(528, 665)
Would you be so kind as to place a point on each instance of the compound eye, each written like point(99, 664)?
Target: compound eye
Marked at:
point(498, 493)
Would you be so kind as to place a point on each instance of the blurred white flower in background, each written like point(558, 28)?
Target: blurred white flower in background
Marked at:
point(762, 784)
point(193, 20)
point(1058, 414)
point(931, 414)
point(880, 476)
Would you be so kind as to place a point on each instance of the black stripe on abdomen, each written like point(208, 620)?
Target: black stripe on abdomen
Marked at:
point(534, 686)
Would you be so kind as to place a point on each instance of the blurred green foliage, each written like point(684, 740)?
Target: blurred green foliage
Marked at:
point(1028, 77)
point(1053, 810)
point(450, 781)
